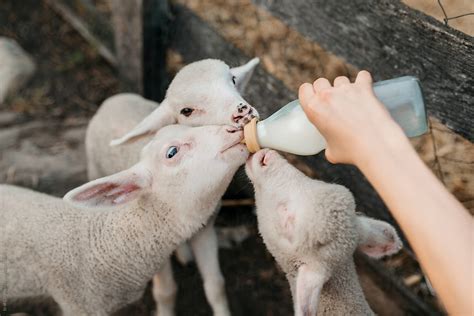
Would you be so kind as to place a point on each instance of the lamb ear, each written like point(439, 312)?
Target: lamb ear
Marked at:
point(244, 73)
point(377, 238)
point(309, 285)
point(111, 191)
point(160, 117)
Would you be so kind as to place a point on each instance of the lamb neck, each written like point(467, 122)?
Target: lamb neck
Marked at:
point(136, 239)
point(342, 294)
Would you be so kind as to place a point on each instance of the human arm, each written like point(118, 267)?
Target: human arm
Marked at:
point(360, 131)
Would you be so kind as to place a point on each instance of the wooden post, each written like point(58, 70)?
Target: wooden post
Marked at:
point(127, 26)
point(156, 31)
point(141, 29)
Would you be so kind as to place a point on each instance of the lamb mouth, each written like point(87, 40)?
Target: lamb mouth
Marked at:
point(231, 146)
point(235, 129)
point(242, 120)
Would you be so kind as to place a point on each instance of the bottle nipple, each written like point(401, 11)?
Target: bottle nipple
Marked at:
point(250, 136)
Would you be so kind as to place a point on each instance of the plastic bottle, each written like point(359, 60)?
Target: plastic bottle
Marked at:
point(290, 130)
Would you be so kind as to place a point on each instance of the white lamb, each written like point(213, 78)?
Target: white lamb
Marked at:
point(202, 93)
point(312, 230)
point(96, 261)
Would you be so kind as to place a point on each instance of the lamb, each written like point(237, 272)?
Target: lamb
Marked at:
point(96, 261)
point(202, 93)
point(312, 230)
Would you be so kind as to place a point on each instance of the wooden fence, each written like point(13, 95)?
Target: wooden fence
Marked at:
point(383, 36)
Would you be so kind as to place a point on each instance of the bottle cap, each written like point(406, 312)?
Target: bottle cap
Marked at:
point(250, 136)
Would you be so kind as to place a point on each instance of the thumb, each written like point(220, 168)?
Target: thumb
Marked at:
point(330, 156)
point(306, 96)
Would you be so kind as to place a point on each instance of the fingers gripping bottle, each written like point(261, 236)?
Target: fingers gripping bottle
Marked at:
point(290, 130)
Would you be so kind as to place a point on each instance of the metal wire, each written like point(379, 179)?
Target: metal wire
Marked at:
point(446, 18)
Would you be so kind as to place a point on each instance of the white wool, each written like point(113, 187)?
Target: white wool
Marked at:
point(312, 230)
point(212, 90)
point(94, 261)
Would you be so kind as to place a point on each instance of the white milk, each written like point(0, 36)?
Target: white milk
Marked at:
point(290, 130)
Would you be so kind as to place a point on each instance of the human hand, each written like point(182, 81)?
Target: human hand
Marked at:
point(350, 117)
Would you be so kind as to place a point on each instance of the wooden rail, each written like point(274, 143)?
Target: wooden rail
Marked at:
point(390, 39)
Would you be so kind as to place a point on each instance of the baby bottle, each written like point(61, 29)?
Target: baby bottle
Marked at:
point(290, 130)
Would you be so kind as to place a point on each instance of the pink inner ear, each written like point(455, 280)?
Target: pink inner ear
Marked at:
point(122, 194)
point(309, 284)
point(266, 159)
point(380, 249)
point(110, 191)
point(94, 191)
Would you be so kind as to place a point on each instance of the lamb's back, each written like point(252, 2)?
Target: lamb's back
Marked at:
point(24, 209)
point(116, 116)
point(36, 229)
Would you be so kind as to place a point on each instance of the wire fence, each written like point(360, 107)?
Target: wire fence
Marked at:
point(446, 19)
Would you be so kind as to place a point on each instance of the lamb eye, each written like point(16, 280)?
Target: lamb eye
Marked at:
point(233, 79)
point(171, 152)
point(186, 111)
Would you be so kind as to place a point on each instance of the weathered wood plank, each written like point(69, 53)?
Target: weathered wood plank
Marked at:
point(195, 40)
point(406, 301)
point(141, 29)
point(390, 39)
point(128, 34)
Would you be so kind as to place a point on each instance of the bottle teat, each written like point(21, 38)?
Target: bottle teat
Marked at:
point(250, 136)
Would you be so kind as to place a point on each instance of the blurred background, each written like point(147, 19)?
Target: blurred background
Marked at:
point(72, 44)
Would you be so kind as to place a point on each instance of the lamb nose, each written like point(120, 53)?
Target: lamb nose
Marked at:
point(242, 107)
point(233, 129)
